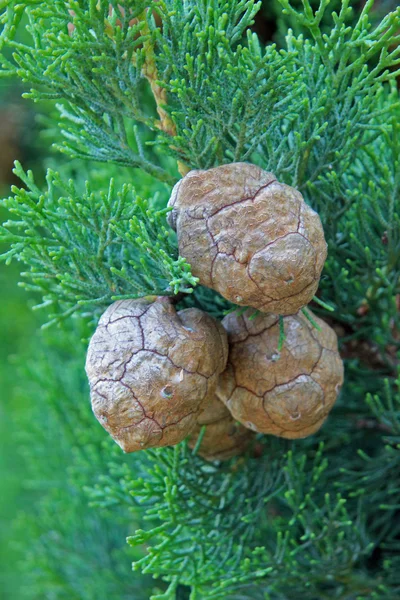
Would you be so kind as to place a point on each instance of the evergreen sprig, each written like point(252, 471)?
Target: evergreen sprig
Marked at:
point(321, 113)
point(364, 260)
point(86, 248)
point(231, 533)
point(298, 111)
point(90, 56)
point(74, 552)
point(223, 96)
point(258, 527)
point(379, 477)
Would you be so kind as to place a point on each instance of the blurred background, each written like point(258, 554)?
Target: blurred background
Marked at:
point(17, 323)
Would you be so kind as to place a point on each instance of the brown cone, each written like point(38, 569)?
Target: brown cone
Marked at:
point(250, 238)
point(288, 394)
point(223, 437)
point(151, 370)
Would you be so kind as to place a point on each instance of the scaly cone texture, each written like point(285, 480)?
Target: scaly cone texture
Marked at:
point(250, 238)
point(223, 437)
point(151, 370)
point(288, 394)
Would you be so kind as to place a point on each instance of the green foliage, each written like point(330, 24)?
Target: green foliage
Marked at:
point(311, 105)
point(256, 527)
point(95, 71)
point(364, 267)
point(315, 518)
point(288, 533)
point(87, 248)
point(67, 550)
point(223, 97)
point(380, 476)
point(301, 111)
point(16, 323)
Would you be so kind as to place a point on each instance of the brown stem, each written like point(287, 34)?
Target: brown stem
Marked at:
point(160, 95)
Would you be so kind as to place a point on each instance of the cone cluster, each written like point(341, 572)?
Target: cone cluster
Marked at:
point(158, 376)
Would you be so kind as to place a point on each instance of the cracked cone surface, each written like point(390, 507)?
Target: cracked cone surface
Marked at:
point(250, 238)
point(287, 395)
point(151, 370)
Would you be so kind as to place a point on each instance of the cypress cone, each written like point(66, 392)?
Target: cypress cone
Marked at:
point(152, 369)
point(223, 437)
point(287, 394)
point(250, 238)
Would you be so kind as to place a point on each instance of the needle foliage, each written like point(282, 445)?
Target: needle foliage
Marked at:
point(139, 93)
